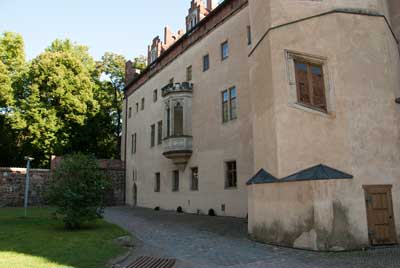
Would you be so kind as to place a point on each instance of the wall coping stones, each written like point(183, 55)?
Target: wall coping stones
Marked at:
point(21, 170)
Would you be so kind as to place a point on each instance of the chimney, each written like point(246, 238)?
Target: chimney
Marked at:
point(168, 36)
point(211, 4)
point(130, 72)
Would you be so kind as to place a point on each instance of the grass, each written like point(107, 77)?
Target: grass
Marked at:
point(40, 241)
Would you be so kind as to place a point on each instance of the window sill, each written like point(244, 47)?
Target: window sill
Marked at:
point(231, 188)
point(229, 121)
point(316, 111)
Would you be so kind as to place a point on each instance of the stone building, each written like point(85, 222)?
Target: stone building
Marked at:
point(283, 111)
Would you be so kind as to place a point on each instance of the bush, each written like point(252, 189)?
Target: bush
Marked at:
point(77, 190)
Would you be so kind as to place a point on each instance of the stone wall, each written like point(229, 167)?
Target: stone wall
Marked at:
point(12, 184)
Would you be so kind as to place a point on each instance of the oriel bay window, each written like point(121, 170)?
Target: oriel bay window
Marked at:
point(229, 104)
point(310, 85)
point(177, 128)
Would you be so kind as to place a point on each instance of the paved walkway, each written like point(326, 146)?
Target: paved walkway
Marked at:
point(221, 242)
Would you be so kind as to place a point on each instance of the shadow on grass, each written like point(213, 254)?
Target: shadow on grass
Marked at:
point(40, 240)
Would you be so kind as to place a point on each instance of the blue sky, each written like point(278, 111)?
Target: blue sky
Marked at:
point(121, 26)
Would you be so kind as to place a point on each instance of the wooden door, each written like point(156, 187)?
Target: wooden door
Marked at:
point(381, 227)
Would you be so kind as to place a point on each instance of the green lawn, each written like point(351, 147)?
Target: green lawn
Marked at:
point(39, 241)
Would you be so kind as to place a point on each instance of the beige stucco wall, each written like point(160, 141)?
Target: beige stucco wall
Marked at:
point(394, 8)
point(213, 141)
point(360, 135)
point(311, 215)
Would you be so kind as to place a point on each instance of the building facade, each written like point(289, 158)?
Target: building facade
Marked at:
point(283, 111)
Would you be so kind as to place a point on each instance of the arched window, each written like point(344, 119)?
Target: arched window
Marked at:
point(178, 120)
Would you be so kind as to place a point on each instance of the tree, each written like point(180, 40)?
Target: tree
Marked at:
point(12, 67)
point(77, 190)
point(140, 63)
point(58, 96)
point(12, 53)
point(6, 94)
point(112, 67)
point(61, 102)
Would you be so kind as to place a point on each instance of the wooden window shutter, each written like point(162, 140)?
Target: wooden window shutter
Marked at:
point(318, 87)
point(303, 87)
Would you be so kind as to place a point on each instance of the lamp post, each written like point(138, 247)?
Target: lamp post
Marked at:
point(28, 166)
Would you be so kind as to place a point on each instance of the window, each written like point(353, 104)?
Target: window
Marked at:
point(157, 182)
point(229, 104)
point(175, 181)
point(310, 85)
point(178, 120)
point(206, 62)
point(133, 139)
point(168, 121)
point(224, 50)
point(142, 106)
point(159, 132)
point(153, 135)
point(230, 176)
point(137, 107)
point(194, 186)
point(232, 103)
point(130, 112)
point(189, 73)
point(155, 95)
point(249, 35)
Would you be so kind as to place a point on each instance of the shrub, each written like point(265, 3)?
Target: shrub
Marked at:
point(77, 190)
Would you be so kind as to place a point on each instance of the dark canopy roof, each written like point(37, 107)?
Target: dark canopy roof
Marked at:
point(319, 172)
point(262, 176)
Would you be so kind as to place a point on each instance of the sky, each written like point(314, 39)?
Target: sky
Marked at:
point(125, 27)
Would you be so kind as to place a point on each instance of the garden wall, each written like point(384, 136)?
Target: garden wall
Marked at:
point(12, 184)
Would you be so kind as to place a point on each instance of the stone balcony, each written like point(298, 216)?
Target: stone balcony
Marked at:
point(178, 149)
point(184, 87)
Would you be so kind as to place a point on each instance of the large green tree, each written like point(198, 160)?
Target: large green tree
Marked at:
point(12, 67)
point(61, 102)
point(57, 97)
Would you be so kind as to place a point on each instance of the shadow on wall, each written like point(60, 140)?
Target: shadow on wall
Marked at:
point(308, 235)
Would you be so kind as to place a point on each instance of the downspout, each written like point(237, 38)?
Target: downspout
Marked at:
point(126, 140)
